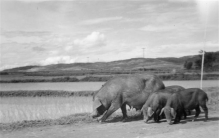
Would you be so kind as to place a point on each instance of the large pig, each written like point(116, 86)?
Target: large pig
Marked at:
point(120, 91)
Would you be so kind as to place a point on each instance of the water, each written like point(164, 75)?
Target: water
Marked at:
point(14, 109)
point(91, 86)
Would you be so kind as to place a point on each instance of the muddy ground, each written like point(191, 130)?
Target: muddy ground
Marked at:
point(134, 128)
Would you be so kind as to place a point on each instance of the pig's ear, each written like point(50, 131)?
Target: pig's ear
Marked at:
point(96, 104)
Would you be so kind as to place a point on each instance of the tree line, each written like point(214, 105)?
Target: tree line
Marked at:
point(209, 61)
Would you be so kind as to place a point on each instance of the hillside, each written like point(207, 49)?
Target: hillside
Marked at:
point(128, 64)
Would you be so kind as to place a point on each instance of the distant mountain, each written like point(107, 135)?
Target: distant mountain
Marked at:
point(24, 68)
point(180, 60)
point(128, 64)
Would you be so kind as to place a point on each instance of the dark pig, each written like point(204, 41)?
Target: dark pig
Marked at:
point(157, 101)
point(187, 99)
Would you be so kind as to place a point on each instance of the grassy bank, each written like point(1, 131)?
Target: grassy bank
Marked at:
point(45, 93)
point(107, 77)
point(59, 79)
point(189, 77)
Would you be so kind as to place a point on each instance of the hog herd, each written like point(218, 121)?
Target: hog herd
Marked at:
point(148, 94)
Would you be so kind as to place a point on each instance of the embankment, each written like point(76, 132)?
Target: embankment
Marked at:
point(45, 93)
point(106, 78)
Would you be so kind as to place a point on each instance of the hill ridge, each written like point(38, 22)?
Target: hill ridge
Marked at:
point(125, 64)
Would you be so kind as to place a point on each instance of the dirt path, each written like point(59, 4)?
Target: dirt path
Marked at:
point(132, 129)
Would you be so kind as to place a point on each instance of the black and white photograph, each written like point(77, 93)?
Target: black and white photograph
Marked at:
point(109, 69)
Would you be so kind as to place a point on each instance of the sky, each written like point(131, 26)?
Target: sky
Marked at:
point(43, 32)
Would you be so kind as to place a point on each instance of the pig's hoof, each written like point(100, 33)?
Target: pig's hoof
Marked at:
point(146, 121)
point(124, 119)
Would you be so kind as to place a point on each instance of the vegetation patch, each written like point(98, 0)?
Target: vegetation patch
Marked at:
point(213, 98)
point(184, 76)
point(178, 76)
point(60, 79)
point(96, 79)
point(46, 93)
point(67, 120)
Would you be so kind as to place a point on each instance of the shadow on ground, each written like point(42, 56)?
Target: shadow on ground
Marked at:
point(119, 118)
point(137, 117)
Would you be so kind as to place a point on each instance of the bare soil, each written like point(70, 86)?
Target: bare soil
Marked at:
point(134, 128)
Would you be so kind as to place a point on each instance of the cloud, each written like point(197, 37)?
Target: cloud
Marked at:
point(180, 0)
point(208, 10)
point(54, 52)
point(57, 60)
point(21, 39)
point(38, 49)
point(95, 39)
point(100, 20)
point(23, 36)
point(67, 48)
point(24, 33)
point(36, 1)
point(127, 20)
point(93, 42)
point(153, 28)
point(4, 39)
point(178, 50)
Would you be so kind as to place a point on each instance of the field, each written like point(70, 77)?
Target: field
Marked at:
point(47, 113)
point(14, 109)
point(21, 112)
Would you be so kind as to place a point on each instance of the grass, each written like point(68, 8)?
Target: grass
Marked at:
point(104, 78)
point(66, 79)
point(18, 113)
point(67, 120)
point(213, 98)
point(44, 93)
point(79, 118)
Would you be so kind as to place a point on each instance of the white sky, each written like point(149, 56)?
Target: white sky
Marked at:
point(48, 32)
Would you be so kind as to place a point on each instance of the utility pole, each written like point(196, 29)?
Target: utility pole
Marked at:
point(204, 45)
point(143, 52)
point(87, 59)
point(202, 67)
